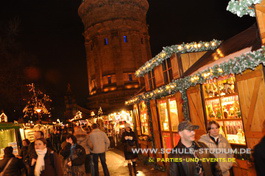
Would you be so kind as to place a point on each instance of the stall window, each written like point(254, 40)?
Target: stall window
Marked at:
point(168, 119)
point(173, 112)
point(151, 79)
point(222, 105)
point(167, 71)
point(164, 122)
point(144, 118)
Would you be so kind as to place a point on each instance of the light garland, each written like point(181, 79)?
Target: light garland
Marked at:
point(242, 7)
point(169, 50)
point(237, 65)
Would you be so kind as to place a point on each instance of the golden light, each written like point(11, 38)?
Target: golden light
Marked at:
point(215, 58)
point(220, 70)
point(206, 44)
point(38, 110)
point(180, 47)
point(162, 54)
point(213, 43)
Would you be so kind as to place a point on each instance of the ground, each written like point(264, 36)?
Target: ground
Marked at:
point(118, 166)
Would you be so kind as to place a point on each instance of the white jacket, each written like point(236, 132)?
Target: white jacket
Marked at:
point(100, 141)
point(222, 144)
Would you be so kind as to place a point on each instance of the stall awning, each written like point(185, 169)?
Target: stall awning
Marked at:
point(249, 38)
point(5, 126)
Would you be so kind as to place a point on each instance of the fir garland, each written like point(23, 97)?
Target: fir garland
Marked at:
point(169, 50)
point(237, 65)
point(242, 7)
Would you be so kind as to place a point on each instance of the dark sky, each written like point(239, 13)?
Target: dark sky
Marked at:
point(52, 31)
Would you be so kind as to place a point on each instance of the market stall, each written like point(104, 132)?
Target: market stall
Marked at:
point(10, 136)
point(115, 122)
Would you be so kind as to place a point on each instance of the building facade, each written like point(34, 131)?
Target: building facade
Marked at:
point(117, 43)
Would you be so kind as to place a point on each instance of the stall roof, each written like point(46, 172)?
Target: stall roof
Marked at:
point(5, 126)
point(248, 38)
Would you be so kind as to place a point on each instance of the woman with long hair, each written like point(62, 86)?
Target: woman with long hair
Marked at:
point(130, 142)
point(47, 162)
point(74, 157)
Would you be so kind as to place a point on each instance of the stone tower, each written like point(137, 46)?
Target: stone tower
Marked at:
point(117, 44)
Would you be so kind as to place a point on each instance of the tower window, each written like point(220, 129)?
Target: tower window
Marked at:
point(106, 41)
point(142, 40)
point(130, 77)
point(125, 39)
point(109, 80)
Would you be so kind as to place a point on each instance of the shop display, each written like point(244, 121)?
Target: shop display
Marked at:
point(8, 138)
point(173, 112)
point(144, 118)
point(234, 131)
point(162, 107)
point(219, 87)
point(222, 105)
point(169, 120)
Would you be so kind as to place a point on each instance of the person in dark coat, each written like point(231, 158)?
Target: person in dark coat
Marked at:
point(55, 140)
point(15, 166)
point(74, 157)
point(47, 162)
point(259, 155)
point(130, 142)
point(24, 155)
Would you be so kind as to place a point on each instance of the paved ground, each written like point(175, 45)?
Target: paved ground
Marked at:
point(118, 166)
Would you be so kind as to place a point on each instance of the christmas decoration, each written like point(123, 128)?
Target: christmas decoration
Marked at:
point(3, 117)
point(36, 104)
point(169, 50)
point(237, 65)
point(242, 7)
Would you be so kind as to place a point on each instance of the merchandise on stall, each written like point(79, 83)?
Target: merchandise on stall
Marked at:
point(222, 105)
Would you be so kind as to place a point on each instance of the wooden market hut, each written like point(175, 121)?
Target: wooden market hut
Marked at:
point(158, 114)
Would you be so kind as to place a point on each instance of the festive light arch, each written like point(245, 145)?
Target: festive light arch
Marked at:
point(169, 50)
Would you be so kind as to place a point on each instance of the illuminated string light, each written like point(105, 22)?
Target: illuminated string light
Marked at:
point(169, 50)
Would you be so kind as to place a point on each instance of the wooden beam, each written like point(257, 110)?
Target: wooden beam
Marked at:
point(260, 8)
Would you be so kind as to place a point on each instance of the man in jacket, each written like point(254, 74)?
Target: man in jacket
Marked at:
point(190, 155)
point(100, 142)
point(15, 165)
point(214, 140)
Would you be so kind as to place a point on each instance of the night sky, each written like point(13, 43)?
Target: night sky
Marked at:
point(51, 30)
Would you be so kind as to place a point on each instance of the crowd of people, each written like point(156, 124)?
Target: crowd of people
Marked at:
point(61, 154)
point(78, 154)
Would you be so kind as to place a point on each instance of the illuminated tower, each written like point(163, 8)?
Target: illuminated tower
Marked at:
point(117, 44)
